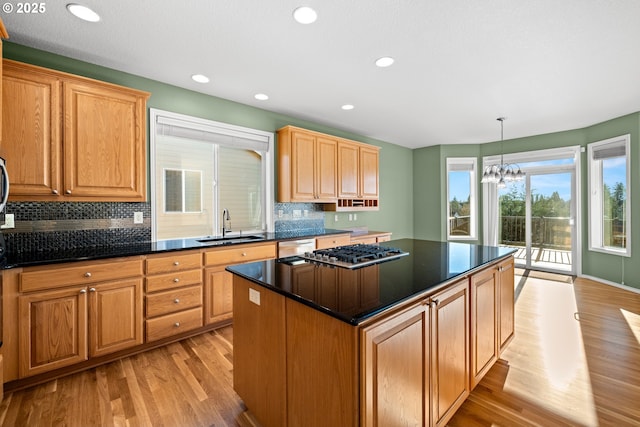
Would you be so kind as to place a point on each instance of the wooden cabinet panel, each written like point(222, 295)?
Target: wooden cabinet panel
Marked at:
point(302, 167)
point(77, 273)
point(326, 167)
point(484, 315)
point(218, 295)
point(506, 309)
point(333, 241)
point(450, 351)
point(240, 254)
point(178, 261)
point(173, 324)
point(369, 172)
point(173, 300)
point(52, 330)
point(73, 138)
point(104, 142)
point(348, 170)
point(115, 316)
point(396, 360)
point(159, 282)
point(31, 139)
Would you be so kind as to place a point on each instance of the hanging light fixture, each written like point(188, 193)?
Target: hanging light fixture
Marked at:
point(504, 172)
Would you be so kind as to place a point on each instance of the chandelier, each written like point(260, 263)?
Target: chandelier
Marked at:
point(504, 172)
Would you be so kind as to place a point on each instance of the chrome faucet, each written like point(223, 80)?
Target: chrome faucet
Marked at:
point(225, 217)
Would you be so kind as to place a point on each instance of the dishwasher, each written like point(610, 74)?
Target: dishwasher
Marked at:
point(289, 248)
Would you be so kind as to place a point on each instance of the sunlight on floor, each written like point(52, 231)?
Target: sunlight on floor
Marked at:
point(633, 320)
point(562, 368)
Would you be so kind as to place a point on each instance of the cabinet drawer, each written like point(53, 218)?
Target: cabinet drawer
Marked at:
point(161, 282)
point(364, 240)
point(174, 262)
point(244, 253)
point(173, 324)
point(333, 241)
point(173, 300)
point(49, 277)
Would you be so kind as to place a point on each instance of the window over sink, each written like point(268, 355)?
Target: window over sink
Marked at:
point(200, 167)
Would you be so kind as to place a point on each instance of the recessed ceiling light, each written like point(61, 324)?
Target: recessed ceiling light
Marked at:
point(261, 96)
point(83, 12)
point(385, 61)
point(200, 78)
point(348, 107)
point(305, 15)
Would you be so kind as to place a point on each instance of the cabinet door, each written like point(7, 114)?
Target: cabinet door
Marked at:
point(326, 169)
point(104, 142)
point(395, 359)
point(115, 316)
point(31, 141)
point(218, 295)
point(369, 173)
point(302, 167)
point(484, 319)
point(348, 170)
point(450, 351)
point(506, 307)
point(52, 330)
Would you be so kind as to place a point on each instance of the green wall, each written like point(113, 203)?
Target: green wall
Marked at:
point(430, 184)
point(396, 174)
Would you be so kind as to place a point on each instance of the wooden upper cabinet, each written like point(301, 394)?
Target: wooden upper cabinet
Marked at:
point(72, 138)
point(3, 35)
point(369, 172)
point(307, 166)
point(31, 139)
point(358, 171)
point(104, 142)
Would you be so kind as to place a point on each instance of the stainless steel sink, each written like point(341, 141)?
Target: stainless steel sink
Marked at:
point(230, 240)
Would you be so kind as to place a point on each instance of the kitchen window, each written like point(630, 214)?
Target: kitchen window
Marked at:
point(200, 167)
point(610, 196)
point(461, 198)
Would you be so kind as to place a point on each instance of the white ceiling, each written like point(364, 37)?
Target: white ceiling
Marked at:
point(547, 65)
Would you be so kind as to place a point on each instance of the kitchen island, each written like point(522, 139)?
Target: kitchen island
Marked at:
point(401, 342)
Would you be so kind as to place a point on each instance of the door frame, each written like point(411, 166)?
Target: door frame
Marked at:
point(490, 207)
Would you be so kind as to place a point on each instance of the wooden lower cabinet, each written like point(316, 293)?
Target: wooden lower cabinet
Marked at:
point(506, 303)
point(63, 327)
point(218, 295)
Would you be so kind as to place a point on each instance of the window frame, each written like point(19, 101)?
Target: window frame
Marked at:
point(462, 162)
point(229, 132)
point(595, 194)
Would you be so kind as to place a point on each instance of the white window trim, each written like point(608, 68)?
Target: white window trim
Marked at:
point(594, 174)
point(217, 127)
point(473, 208)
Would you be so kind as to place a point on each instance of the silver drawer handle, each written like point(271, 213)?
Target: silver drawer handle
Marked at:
point(177, 300)
point(176, 263)
point(83, 291)
point(244, 254)
point(176, 280)
point(87, 274)
point(68, 191)
point(92, 289)
point(54, 191)
point(177, 324)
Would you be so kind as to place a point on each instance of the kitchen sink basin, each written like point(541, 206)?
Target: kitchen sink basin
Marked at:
point(230, 240)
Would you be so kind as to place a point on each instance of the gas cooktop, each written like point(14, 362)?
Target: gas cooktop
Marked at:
point(354, 256)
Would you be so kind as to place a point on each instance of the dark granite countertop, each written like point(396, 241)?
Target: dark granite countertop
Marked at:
point(428, 267)
point(15, 259)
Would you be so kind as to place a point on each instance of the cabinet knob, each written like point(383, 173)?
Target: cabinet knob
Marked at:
point(87, 274)
point(176, 263)
point(435, 302)
point(177, 324)
point(244, 254)
point(83, 291)
point(176, 280)
point(177, 300)
point(92, 289)
point(54, 191)
point(68, 191)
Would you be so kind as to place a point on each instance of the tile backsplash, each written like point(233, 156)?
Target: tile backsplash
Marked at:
point(66, 225)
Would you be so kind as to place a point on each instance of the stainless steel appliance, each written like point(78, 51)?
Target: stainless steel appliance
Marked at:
point(4, 184)
point(354, 256)
point(289, 248)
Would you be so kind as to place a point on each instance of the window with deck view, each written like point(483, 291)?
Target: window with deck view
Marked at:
point(610, 196)
point(461, 198)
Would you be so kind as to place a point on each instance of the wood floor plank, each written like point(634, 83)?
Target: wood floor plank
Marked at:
point(574, 361)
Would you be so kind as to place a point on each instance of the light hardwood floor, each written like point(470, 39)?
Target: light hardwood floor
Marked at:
point(575, 361)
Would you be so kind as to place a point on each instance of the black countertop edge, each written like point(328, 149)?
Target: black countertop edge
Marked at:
point(122, 249)
point(360, 318)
